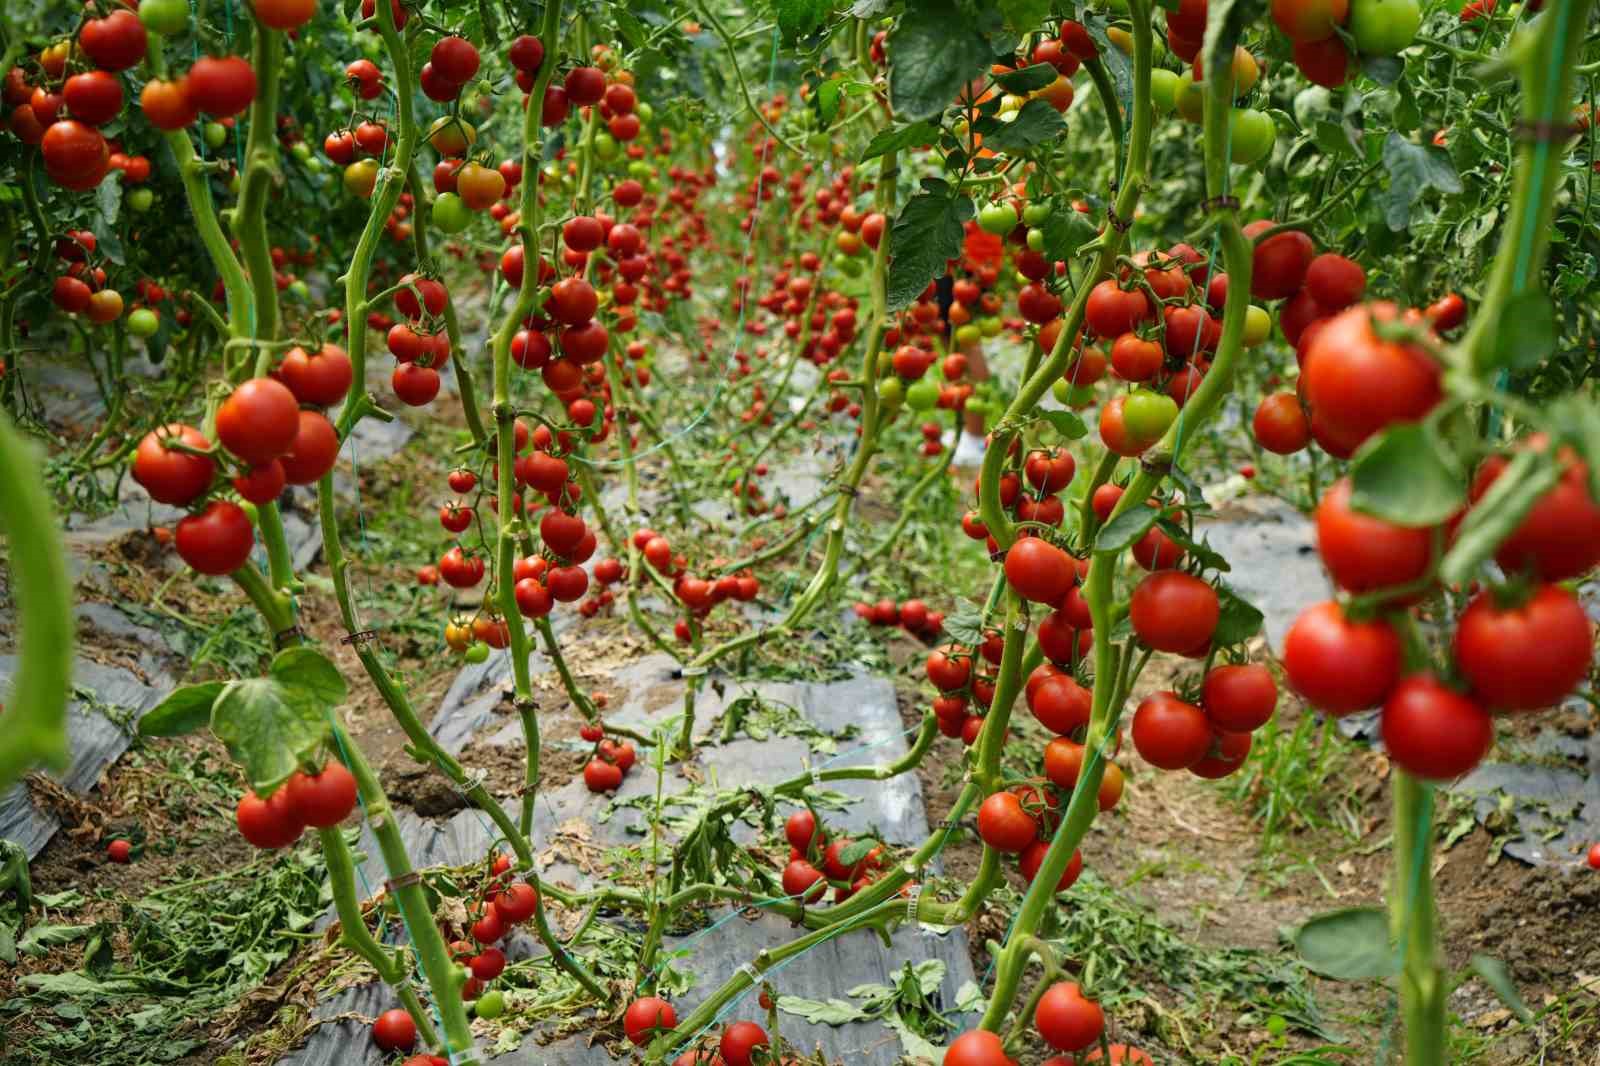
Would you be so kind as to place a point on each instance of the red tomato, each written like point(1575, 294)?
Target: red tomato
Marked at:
point(976, 1048)
point(220, 87)
point(1527, 656)
point(1432, 731)
point(1357, 383)
point(216, 541)
point(394, 1031)
point(1560, 537)
point(169, 476)
point(739, 1042)
point(1174, 612)
point(1239, 698)
point(1039, 571)
point(1169, 733)
point(1066, 1019)
point(1340, 665)
point(1335, 282)
point(1004, 825)
point(268, 823)
point(1112, 311)
point(1363, 553)
point(316, 446)
point(601, 776)
point(259, 420)
point(1060, 704)
point(324, 800)
point(1280, 424)
point(647, 1016)
point(1279, 263)
point(1032, 858)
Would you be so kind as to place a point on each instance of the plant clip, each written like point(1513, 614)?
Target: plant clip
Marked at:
point(405, 880)
point(364, 637)
point(282, 638)
point(750, 971)
point(1544, 131)
point(471, 779)
point(1211, 203)
point(913, 898)
point(694, 671)
point(846, 489)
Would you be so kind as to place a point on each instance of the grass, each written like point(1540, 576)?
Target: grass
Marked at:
point(1297, 779)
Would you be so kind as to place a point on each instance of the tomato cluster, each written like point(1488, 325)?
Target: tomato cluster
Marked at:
point(610, 763)
point(501, 902)
point(320, 800)
point(817, 863)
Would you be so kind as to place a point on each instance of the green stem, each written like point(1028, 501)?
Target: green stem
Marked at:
point(260, 169)
point(1412, 923)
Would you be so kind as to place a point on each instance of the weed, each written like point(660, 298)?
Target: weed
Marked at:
point(1297, 779)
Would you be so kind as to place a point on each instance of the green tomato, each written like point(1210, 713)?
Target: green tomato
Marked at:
point(1250, 135)
point(998, 219)
point(301, 151)
point(923, 394)
point(1164, 90)
point(234, 183)
point(315, 165)
point(166, 17)
point(1257, 326)
point(1069, 395)
point(605, 146)
point(216, 134)
point(450, 214)
point(1035, 214)
point(143, 322)
point(140, 199)
point(477, 652)
point(891, 390)
point(1384, 27)
point(1147, 414)
point(491, 1004)
point(299, 290)
point(638, 168)
point(968, 333)
point(1061, 390)
point(1189, 99)
point(990, 326)
point(1036, 240)
point(850, 267)
point(644, 111)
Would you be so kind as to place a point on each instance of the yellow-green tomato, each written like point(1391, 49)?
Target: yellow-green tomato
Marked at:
point(143, 322)
point(1164, 90)
point(1036, 240)
point(215, 134)
point(1147, 414)
point(1380, 27)
point(450, 214)
point(140, 200)
point(891, 390)
point(968, 333)
point(922, 394)
point(1190, 100)
point(605, 146)
point(491, 1004)
point(997, 218)
point(478, 652)
point(1250, 135)
point(1257, 326)
point(990, 326)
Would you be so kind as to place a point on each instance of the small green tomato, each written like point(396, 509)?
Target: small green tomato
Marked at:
point(997, 218)
point(143, 322)
point(1257, 325)
point(478, 652)
point(216, 134)
point(139, 200)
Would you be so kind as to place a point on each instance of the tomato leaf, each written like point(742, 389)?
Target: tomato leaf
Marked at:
point(1239, 619)
point(1347, 945)
point(1208, 557)
point(184, 711)
point(1407, 476)
point(820, 1012)
point(856, 850)
point(1498, 978)
point(1035, 124)
point(1528, 476)
point(1116, 62)
point(801, 18)
point(964, 625)
point(309, 669)
point(1525, 334)
point(267, 726)
point(892, 140)
point(827, 100)
point(1066, 230)
point(926, 235)
point(1125, 528)
point(1413, 170)
point(934, 50)
point(1029, 78)
point(1066, 423)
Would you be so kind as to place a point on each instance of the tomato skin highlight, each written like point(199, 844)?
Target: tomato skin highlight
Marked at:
point(1338, 665)
point(1526, 657)
point(1432, 731)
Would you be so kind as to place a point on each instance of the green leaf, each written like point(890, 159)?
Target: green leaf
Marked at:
point(1413, 170)
point(1528, 476)
point(801, 18)
point(1498, 978)
point(964, 625)
point(1347, 945)
point(39, 939)
point(917, 1047)
point(1029, 78)
point(822, 1012)
point(1332, 138)
point(1066, 423)
point(827, 99)
point(934, 50)
point(1066, 231)
point(309, 669)
point(856, 851)
point(892, 140)
point(1525, 333)
point(182, 712)
point(927, 233)
point(1036, 123)
point(267, 727)
point(8, 945)
point(1117, 65)
point(1208, 556)
point(1407, 476)
point(1239, 619)
point(1024, 16)
point(1125, 528)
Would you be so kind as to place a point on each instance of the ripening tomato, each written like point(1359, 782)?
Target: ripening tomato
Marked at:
point(1112, 311)
point(1066, 1019)
point(979, 1047)
point(1279, 263)
point(1174, 612)
point(1526, 655)
point(216, 541)
point(284, 14)
point(1280, 424)
point(1432, 731)
point(116, 42)
point(1170, 733)
point(1239, 698)
point(1039, 571)
point(1363, 552)
point(1340, 665)
point(220, 87)
point(1135, 359)
point(170, 476)
point(315, 448)
point(1309, 20)
point(647, 1016)
point(166, 105)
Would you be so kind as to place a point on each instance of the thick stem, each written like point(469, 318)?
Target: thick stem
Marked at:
point(260, 169)
point(1412, 923)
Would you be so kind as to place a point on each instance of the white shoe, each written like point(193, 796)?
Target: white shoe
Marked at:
point(969, 450)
